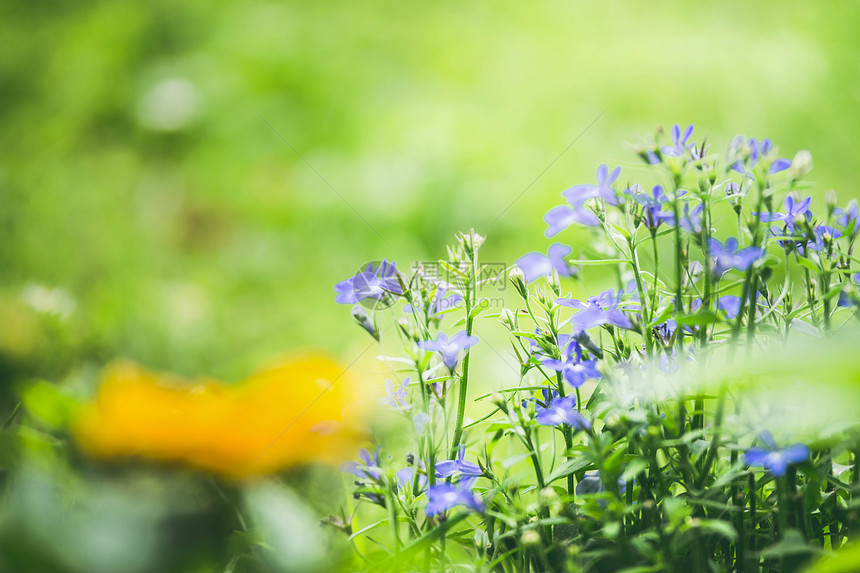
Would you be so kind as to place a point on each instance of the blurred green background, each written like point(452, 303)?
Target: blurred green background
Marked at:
point(154, 204)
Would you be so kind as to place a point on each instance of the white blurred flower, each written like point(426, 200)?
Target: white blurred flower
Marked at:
point(170, 105)
point(48, 300)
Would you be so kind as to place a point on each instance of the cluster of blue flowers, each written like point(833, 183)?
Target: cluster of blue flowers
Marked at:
point(657, 327)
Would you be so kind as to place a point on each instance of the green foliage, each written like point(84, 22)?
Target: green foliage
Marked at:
point(182, 182)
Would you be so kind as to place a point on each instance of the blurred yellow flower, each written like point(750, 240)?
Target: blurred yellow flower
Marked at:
point(285, 416)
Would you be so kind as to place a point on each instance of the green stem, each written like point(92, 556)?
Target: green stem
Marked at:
point(392, 518)
point(833, 525)
point(656, 272)
point(646, 334)
point(471, 297)
point(738, 501)
point(751, 308)
point(679, 301)
point(544, 511)
point(715, 440)
point(568, 434)
point(429, 442)
point(753, 517)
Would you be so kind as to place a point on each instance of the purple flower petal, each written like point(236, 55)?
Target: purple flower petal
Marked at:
point(796, 453)
point(731, 304)
point(779, 165)
point(561, 217)
point(445, 496)
point(534, 266)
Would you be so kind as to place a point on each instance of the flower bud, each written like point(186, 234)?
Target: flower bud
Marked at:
point(455, 256)
point(554, 283)
point(548, 496)
point(544, 297)
point(363, 319)
point(735, 194)
point(509, 319)
point(530, 537)
point(596, 206)
point(518, 279)
point(403, 325)
point(830, 200)
point(497, 399)
point(471, 243)
point(801, 164)
point(550, 499)
point(733, 191)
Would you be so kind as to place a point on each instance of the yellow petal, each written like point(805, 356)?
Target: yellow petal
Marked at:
point(290, 414)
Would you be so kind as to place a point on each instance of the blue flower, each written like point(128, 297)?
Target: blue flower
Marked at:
point(536, 265)
point(447, 468)
point(650, 157)
point(555, 410)
point(849, 217)
point(445, 496)
point(438, 385)
point(665, 331)
point(679, 145)
point(596, 311)
point(779, 165)
point(773, 459)
point(653, 215)
point(561, 217)
point(373, 282)
point(450, 349)
point(578, 194)
point(573, 368)
point(406, 477)
point(728, 256)
point(397, 396)
point(691, 220)
point(370, 469)
point(733, 190)
point(699, 153)
point(793, 211)
point(731, 304)
point(823, 235)
point(760, 151)
point(848, 295)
